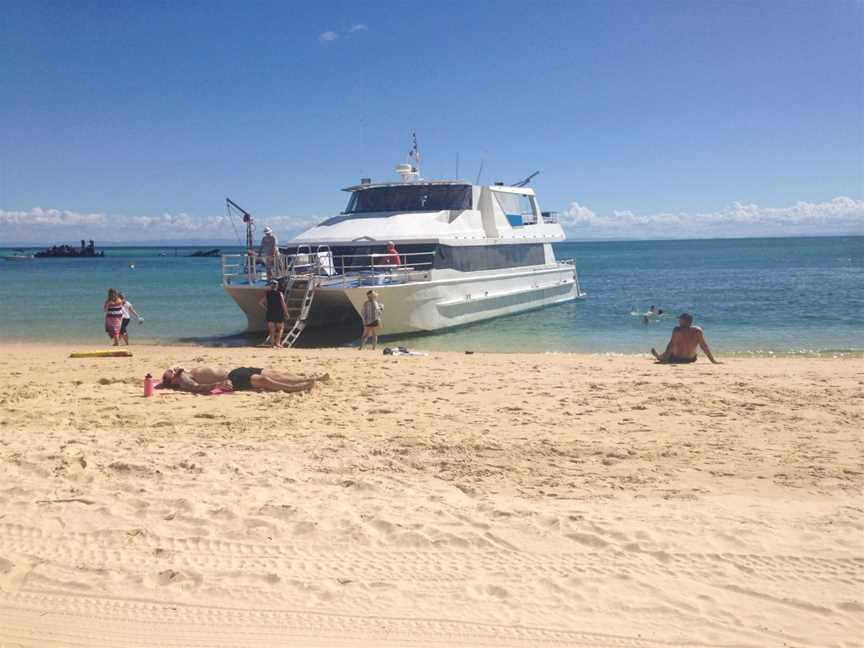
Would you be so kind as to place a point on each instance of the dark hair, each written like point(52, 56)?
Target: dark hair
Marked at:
point(686, 317)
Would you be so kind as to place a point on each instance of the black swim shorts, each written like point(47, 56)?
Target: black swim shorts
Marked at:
point(241, 377)
point(123, 326)
point(677, 360)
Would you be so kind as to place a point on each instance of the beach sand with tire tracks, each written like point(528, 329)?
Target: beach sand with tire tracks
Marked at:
point(446, 500)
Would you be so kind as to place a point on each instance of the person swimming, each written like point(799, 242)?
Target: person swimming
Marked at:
point(651, 313)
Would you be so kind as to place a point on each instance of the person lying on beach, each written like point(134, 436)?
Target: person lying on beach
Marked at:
point(203, 380)
point(682, 347)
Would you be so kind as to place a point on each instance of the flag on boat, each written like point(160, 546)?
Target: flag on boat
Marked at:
point(414, 152)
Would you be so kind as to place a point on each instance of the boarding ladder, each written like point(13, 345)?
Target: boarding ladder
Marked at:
point(303, 279)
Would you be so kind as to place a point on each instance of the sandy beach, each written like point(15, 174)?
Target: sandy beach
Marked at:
point(447, 500)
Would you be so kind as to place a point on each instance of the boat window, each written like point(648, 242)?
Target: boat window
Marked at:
point(526, 208)
point(518, 208)
point(410, 198)
point(471, 258)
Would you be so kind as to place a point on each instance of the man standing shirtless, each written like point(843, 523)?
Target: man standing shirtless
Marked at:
point(202, 380)
point(682, 347)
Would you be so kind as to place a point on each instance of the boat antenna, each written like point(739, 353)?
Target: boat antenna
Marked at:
point(524, 182)
point(480, 171)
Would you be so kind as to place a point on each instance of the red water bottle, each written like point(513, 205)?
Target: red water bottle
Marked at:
point(148, 385)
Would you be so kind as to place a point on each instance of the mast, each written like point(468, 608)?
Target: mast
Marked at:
point(415, 153)
point(247, 218)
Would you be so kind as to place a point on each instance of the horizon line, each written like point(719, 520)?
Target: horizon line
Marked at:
point(201, 242)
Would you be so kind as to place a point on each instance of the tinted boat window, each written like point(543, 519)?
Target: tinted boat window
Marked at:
point(410, 198)
point(471, 258)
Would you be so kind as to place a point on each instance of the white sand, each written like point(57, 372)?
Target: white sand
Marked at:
point(452, 500)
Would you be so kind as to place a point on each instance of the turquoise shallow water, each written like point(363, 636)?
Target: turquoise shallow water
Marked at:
point(752, 296)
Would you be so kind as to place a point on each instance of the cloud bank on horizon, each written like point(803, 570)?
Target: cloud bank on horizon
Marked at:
point(840, 216)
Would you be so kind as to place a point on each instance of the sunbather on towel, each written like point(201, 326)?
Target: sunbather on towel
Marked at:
point(203, 380)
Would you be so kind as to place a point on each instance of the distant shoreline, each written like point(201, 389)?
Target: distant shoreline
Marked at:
point(230, 243)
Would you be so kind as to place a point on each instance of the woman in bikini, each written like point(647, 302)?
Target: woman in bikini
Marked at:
point(113, 308)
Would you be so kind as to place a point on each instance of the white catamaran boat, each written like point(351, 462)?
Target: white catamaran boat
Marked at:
point(464, 253)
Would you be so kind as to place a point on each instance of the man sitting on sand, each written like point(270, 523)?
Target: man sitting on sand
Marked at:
point(203, 380)
point(682, 346)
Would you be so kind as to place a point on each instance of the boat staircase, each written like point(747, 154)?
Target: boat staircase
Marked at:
point(302, 279)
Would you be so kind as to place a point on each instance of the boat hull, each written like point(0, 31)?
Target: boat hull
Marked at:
point(426, 306)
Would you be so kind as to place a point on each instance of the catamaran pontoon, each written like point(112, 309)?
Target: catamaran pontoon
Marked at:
point(465, 253)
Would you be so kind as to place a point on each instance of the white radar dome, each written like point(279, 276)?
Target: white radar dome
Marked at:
point(406, 171)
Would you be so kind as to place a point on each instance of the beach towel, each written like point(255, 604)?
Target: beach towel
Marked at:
point(403, 351)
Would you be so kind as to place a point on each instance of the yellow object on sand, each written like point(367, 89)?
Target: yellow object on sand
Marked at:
point(102, 354)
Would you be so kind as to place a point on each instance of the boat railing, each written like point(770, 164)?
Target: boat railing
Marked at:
point(373, 269)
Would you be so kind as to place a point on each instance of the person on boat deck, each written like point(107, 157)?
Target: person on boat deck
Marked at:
point(203, 380)
point(273, 302)
point(113, 308)
point(392, 259)
point(128, 311)
point(371, 314)
point(682, 347)
point(268, 251)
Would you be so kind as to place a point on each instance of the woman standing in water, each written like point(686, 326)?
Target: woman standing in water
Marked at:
point(113, 308)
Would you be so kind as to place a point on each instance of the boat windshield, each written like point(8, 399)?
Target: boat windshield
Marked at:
point(410, 198)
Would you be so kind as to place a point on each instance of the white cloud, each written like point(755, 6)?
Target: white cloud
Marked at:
point(330, 36)
point(576, 214)
point(67, 226)
point(838, 216)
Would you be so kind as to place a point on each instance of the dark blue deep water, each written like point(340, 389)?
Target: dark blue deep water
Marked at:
point(752, 296)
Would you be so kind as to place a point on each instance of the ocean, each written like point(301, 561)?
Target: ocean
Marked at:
point(783, 296)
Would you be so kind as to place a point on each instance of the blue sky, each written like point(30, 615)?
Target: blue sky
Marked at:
point(133, 121)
